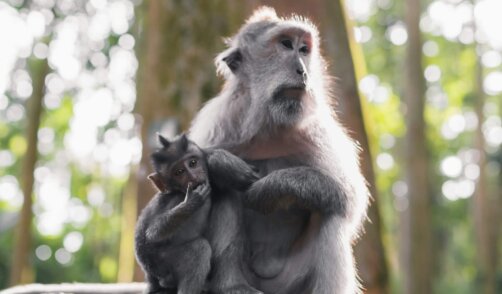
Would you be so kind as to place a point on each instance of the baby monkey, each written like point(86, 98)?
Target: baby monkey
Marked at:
point(171, 239)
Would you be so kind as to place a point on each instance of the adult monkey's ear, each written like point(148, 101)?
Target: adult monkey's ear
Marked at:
point(228, 61)
point(233, 60)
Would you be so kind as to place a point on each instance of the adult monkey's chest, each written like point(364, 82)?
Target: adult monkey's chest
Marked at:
point(272, 236)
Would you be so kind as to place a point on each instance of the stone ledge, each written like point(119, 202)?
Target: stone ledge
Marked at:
point(77, 288)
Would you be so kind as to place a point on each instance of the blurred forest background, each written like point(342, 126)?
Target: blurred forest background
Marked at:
point(84, 85)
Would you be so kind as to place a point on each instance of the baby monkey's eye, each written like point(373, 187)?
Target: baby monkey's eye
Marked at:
point(192, 163)
point(179, 172)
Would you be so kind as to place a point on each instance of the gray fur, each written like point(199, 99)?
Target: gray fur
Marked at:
point(308, 208)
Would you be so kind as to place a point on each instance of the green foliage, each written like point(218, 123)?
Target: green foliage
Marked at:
point(58, 119)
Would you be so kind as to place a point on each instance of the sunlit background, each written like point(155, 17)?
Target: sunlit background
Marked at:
point(88, 139)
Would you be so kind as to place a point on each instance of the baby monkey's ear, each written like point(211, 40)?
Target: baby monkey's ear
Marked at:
point(165, 142)
point(157, 181)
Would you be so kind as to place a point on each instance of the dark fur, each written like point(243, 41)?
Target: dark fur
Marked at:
point(173, 238)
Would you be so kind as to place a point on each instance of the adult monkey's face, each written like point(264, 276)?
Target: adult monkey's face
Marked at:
point(272, 59)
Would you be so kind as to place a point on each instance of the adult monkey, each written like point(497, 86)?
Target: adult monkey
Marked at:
point(274, 111)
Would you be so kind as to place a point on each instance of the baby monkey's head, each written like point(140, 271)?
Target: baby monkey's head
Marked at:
point(178, 164)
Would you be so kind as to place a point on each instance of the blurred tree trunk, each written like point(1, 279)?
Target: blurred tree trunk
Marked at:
point(483, 208)
point(497, 217)
point(369, 250)
point(416, 226)
point(176, 74)
point(21, 269)
point(126, 251)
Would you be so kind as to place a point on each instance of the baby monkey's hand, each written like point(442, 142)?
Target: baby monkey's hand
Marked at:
point(200, 193)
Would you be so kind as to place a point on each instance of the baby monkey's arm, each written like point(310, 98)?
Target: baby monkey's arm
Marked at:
point(164, 225)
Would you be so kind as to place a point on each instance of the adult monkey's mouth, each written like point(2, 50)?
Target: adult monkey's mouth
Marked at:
point(290, 93)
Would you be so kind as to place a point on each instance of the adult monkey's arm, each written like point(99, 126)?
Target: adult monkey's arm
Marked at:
point(304, 186)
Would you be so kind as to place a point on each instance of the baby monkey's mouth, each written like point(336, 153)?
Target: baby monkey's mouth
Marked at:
point(194, 184)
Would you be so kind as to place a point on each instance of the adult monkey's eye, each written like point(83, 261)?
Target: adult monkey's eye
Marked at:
point(179, 172)
point(287, 43)
point(192, 163)
point(304, 49)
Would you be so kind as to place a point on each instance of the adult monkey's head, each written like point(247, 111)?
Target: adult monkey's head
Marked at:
point(274, 63)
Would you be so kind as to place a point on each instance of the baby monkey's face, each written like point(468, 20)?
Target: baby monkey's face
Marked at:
point(189, 171)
